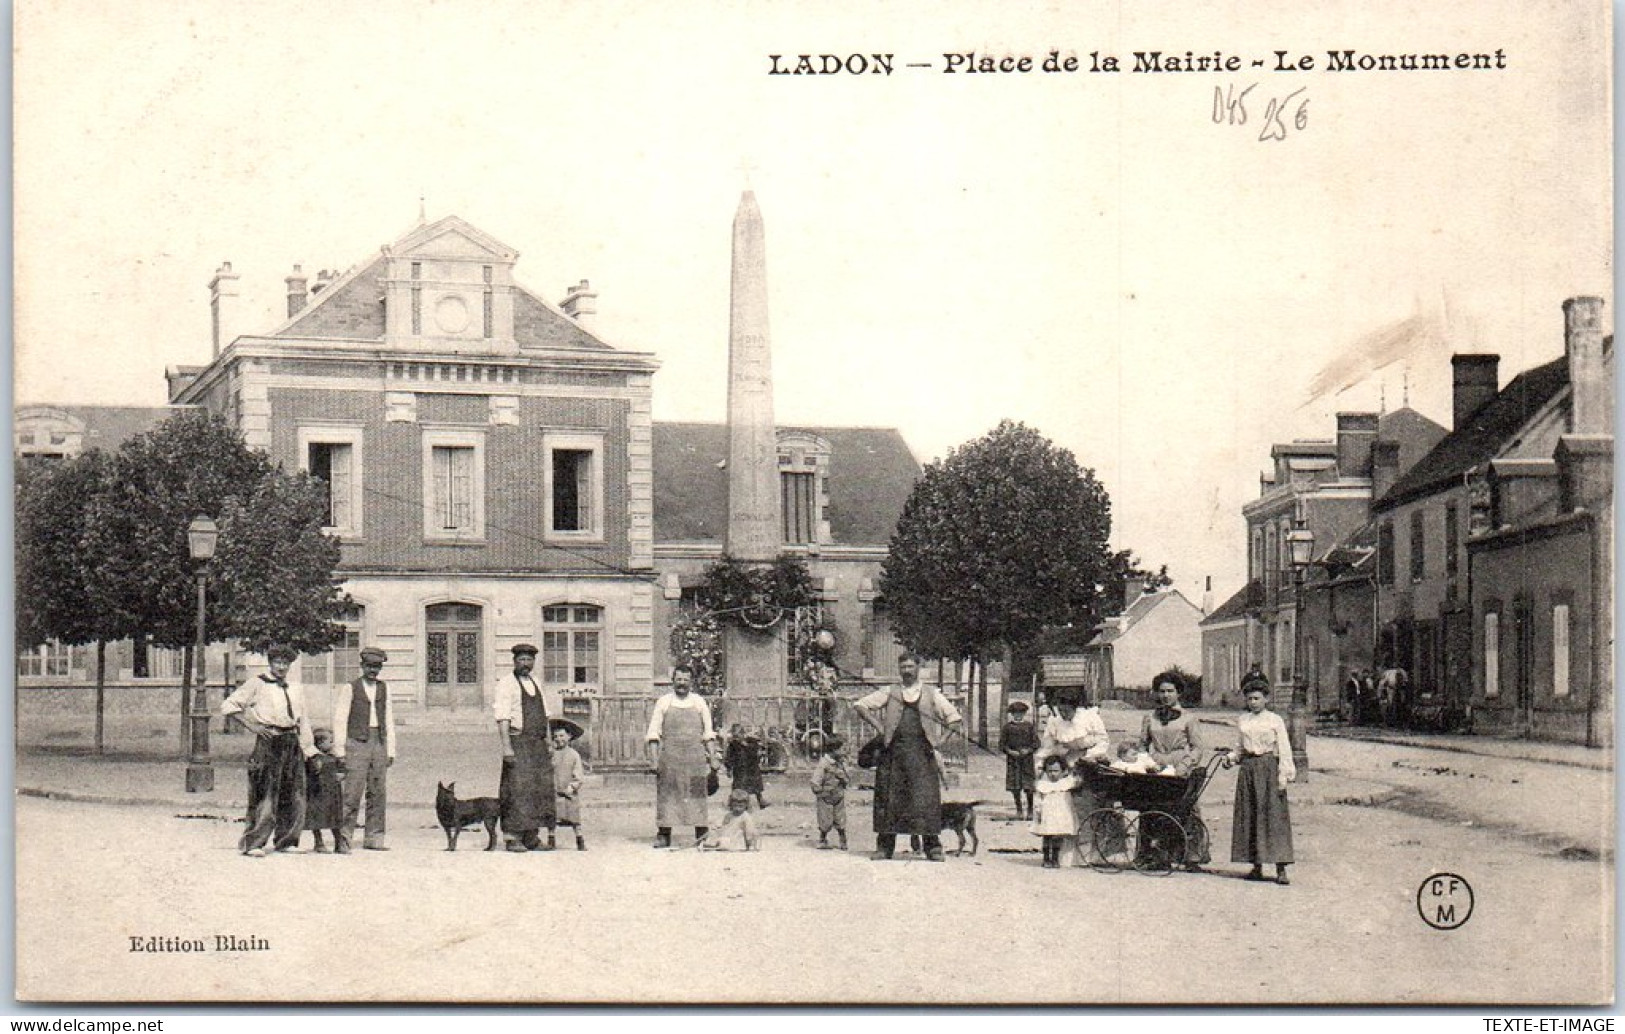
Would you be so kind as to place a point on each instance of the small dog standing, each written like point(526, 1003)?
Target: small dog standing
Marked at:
point(456, 816)
point(959, 817)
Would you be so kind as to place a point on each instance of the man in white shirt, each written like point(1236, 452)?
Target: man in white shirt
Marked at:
point(274, 711)
point(364, 743)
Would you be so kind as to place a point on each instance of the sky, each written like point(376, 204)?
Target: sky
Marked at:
point(1089, 253)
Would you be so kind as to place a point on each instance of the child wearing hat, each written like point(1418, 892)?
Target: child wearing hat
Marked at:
point(829, 782)
point(568, 775)
point(1019, 740)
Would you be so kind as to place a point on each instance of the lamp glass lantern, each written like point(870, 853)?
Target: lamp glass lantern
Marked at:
point(202, 535)
point(1301, 542)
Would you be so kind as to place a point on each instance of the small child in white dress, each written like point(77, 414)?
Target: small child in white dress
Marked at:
point(1133, 760)
point(1054, 818)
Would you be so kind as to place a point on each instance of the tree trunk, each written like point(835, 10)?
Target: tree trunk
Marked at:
point(186, 702)
point(101, 695)
point(981, 706)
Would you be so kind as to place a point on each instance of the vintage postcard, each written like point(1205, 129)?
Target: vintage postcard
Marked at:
point(926, 503)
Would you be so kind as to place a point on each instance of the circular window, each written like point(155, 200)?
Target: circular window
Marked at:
point(451, 314)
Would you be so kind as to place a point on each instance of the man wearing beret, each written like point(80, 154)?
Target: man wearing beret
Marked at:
point(364, 743)
point(274, 711)
point(527, 795)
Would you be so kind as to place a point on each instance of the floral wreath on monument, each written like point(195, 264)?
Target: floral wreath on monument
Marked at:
point(757, 597)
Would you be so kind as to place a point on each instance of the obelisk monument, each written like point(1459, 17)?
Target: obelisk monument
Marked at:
point(755, 664)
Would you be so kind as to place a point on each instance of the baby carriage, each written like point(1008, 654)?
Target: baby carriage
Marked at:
point(1162, 832)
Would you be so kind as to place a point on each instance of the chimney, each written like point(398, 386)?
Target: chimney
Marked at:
point(1207, 596)
point(1133, 589)
point(1475, 381)
point(180, 378)
point(1588, 382)
point(297, 295)
point(1355, 434)
point(223, 306)
point(581, 304)
point(1384, 468)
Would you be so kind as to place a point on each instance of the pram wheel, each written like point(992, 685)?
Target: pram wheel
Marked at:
point(1106, 840)
point(1159, 842)
point(1198, 844)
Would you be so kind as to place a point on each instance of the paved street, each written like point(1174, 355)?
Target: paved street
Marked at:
point(796, 924)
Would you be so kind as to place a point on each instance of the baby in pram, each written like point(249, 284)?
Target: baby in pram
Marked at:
point(1134, 761)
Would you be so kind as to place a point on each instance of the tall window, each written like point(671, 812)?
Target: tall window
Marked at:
point(333, 455)
point(1418, 547)
point(1257, 565)
point(575, 486)
point(572, 645)
point(1560, 650)
point(1385, 553)
point(454, 485)
point(1492, 654)
point(799, 506)
point(341, 665)
point(489, 299)
point(417, 298)
point(1452, 532)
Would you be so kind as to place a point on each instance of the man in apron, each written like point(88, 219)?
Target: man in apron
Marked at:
point(912, 719)
point(527, 792)
point(681, 747)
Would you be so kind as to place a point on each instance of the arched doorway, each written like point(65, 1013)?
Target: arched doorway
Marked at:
point(452, 655)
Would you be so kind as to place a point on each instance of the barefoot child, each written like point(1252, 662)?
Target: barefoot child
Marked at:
point(829, 782)
point(739, 802)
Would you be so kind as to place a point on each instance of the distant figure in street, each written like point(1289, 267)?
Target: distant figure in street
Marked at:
point(526, 791)
point(1262, 831)
point(274, 711)
point(324, 793)
point(1019, 740)
point(366, 751)
point(912, 720)
point(568, 776)
point(743, 760)
point(1174, 737)
point(1055, 820)
point(829, 782)
point(1393, 694)
point(681, 747)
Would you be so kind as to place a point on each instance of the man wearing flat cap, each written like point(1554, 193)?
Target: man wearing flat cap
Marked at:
point(274, 711)
point(364, 743)
point(522, 711)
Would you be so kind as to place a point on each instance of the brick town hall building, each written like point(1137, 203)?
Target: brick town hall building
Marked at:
point(496, 477)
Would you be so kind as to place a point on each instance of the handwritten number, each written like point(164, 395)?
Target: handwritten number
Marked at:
point(1228, 107)
point(1274, 115)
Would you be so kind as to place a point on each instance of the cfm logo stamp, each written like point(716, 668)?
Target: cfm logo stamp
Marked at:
point(1445, 901)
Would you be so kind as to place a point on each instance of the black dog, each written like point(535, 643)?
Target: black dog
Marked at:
point(961, 818)
point(455, 815)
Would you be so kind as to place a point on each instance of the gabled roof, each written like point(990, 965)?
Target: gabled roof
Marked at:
point(1484, 434)
point(1415, 433)
point(1249, 597)
point(871, 472)
point(352, 306)
point(1116, 627)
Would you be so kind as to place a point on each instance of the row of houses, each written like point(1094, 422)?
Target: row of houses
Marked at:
point(1478, 560)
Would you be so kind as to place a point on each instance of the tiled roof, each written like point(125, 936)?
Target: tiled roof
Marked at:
point(871, 472)
point(106, 427)
point(1483, 435)
point(1248, 597)
point(1415, 433)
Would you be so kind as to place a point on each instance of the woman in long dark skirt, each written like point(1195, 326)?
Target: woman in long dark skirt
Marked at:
point(1262, 832)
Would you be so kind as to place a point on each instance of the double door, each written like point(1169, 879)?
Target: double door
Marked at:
point(453, 652)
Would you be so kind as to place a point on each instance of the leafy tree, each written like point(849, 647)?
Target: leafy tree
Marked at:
point(1003, 537)
point(55, 574)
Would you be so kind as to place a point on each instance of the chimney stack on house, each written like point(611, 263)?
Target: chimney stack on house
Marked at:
point(324, 278)
point(1133, 589)
point(581, 304)
point(180, 378)
point(1207, 596)
point(1384, 468)
point(1475, 380)
point(1589, 410)
point(1355, 434)
point(298, 294)
point(223, 306)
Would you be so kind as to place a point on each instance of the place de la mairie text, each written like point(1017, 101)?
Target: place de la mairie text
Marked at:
point(1139, 61)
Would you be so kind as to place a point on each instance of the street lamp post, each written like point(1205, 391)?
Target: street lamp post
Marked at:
point(201, 537)
point(1301, 541)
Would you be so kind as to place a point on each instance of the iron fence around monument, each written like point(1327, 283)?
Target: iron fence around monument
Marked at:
point(792, 727)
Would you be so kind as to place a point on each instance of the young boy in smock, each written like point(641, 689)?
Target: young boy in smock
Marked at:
point(829, 781)
point(568, 775)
